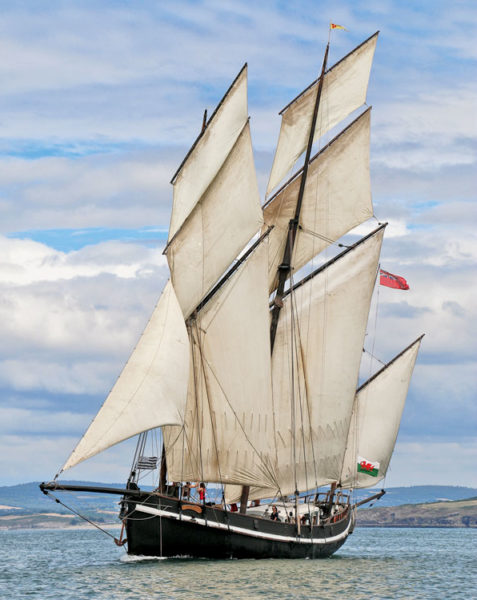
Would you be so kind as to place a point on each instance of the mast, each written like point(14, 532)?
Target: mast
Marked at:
point(163, 471)
point(285, 268)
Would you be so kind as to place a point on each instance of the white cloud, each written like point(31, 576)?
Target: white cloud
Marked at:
point(437, 463)
point(99, 191)
point(69, 320)
point(40, 457)
point(122, 104)
point(27, 421)
point(26, 262)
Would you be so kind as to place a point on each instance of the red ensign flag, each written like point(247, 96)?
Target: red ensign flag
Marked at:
point(392, 281)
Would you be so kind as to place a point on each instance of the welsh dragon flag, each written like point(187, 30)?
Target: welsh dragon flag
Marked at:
point(368, 467)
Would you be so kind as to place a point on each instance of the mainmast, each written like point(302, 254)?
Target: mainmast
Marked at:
point(285, 267)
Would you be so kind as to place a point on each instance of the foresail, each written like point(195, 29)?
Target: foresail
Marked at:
point(375, 421)
point(218, 228)
point(209, 152)
point(337, 198)
point(315, 371)
point(228, 421)
point(344, 90)
point(152, 388)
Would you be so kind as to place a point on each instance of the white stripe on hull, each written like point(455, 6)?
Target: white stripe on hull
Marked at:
point(240, 530)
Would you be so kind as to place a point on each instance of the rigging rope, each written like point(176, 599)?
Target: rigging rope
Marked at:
point(203, 362)
point(58, 501)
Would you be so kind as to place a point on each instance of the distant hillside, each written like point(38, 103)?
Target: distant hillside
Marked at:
point(24, 506)
point(456, 513)
point(27, 498)
point(419, 494)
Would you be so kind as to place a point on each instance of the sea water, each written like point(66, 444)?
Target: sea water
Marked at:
point(374, 563)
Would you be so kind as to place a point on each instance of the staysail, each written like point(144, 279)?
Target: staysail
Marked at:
point(337, 197)
point(344, 90)
point(375, 421)
point(152, 388)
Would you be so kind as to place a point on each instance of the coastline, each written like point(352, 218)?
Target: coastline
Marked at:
point(457, 514)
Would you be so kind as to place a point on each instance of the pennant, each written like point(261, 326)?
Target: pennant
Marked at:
point(334, 26)
point(368, 467)
point(392, 281)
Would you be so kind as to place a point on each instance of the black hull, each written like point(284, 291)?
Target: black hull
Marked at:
point(163, 526)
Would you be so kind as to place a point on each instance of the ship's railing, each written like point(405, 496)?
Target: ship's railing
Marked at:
point(320, 498)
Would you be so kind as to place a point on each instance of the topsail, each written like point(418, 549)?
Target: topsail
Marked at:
point(208, 154)
point(344, 90)
point(221, 223)
point(337, 198)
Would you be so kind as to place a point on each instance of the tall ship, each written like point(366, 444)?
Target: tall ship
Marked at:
point(249, 367)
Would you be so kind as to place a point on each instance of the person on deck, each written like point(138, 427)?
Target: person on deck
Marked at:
point(186, 490)
point(275, 516)
point(201, 489)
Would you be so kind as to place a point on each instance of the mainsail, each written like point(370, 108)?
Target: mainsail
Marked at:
point(228, 421)
point(375, 421)
point(315, 367)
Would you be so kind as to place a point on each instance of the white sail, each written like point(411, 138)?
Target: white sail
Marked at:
point(226, 432)
point(209, 152)
point(219, 226)
point(152, 388)
point(315, 369)
point(375, 421)
point(337, 197)
point(344, 90)
point(231, 411)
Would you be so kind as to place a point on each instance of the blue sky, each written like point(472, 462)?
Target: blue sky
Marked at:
point(100, 101)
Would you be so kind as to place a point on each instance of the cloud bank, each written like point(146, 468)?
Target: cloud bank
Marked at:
point(100, 102)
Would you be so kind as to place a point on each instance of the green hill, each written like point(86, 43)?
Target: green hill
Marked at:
point(456, 513)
